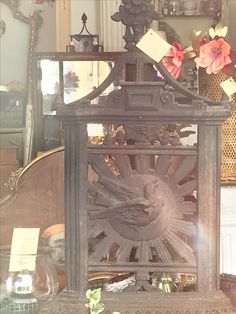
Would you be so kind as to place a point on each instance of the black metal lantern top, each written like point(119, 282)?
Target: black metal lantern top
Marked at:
point(85, 41)
point(84, 27)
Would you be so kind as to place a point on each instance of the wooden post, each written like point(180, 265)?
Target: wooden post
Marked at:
point(75, 207)
point(208, 207)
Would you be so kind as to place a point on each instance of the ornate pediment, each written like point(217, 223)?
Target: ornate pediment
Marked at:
point(138, 97)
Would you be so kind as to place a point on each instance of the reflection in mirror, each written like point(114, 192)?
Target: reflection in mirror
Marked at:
point(17, 43)
point(79, 79)
point(49, 85)
point(66, 78)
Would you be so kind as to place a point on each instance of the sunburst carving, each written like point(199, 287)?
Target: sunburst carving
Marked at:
point(143, 212)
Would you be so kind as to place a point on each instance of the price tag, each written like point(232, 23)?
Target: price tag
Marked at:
point(229, 86)
point(153, 45)
point(24, 246)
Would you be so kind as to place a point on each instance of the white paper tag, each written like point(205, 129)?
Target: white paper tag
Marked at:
point(229, 86)
point(153, 45)
point(22, 262)
point(23, 249)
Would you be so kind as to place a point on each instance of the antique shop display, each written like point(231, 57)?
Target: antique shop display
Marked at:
point(216, 60)
point(151, 207)
point(211, 75)
point(190, 7)
point(209, 85)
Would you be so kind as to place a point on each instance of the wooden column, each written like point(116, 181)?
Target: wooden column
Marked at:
point(208, 208)
point(63, 24)
point(75, 207)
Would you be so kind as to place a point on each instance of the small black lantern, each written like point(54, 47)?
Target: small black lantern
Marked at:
point(86, 42)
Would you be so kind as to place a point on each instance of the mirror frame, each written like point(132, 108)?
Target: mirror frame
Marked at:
point(34, 21)
point(60, 57)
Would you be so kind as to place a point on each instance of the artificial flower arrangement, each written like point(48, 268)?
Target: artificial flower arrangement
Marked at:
point(71, 80)
point(210, 51)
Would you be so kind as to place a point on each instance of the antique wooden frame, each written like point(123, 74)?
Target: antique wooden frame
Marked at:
point(137, 201)
point(78, 153)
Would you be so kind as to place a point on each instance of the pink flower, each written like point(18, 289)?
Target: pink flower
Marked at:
point(173, 59)
point(214, 55)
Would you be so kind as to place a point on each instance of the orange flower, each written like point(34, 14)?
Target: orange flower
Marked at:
point(173, 59)
point(214, 55)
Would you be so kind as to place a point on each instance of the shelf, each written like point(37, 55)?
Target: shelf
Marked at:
point(187, 16)
point(193, 8)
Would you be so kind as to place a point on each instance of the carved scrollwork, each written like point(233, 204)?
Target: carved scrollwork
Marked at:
point(114, 98)
point(166, 97)
point(11, 186)
point(164, 134)
point(12, 181)
point(160, 134)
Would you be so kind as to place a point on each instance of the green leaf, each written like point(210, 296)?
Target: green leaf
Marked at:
point(95, 305)
point(97, 308)
point(88, 293)
point(94, 295)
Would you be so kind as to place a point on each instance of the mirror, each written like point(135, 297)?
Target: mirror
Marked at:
point(18, 36)
point(65, 78)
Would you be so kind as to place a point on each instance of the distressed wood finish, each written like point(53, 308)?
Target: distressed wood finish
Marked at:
point(147, 187)
point(209, 207)
point(153, 304)
point(75, 207)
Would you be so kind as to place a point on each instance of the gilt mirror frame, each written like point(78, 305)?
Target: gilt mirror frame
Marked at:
point(34, 21)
